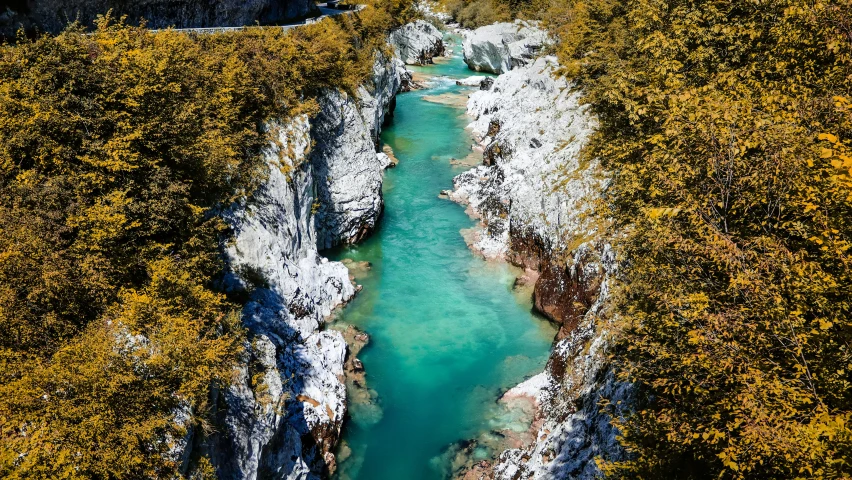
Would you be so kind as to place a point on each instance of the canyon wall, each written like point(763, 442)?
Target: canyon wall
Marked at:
point(53, 15)
point(282, 415)
point(533, 196)
point(348, 173)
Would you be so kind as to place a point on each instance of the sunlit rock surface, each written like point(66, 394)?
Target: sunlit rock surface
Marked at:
point(531, 128)
point(501, 47)
point(417, 43)
point(347, 166)
point(281, 416)
point(531, 194)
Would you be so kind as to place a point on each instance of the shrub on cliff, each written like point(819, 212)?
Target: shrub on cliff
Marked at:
point(726, 127)
point(116, 149)
point(477, 13)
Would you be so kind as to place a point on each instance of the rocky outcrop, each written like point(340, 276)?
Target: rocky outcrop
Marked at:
point(417, 43)
point(501, 47)
point(564, 293)
point(282, 415)
point(54, 15)
point(346, 164)
point(531, 127)
point(532, 194)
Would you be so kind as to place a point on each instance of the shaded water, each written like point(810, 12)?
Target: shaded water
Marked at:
point(448, 334)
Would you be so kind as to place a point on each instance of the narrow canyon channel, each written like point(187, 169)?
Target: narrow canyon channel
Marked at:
point(448, 333)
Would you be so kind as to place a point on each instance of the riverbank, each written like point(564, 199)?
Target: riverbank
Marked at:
point(533, 195)
point(447, 333)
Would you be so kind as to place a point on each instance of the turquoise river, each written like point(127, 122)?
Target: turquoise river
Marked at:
point(448, 333)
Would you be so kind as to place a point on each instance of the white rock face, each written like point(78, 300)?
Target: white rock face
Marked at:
point(523, 122)
point(281, 417)
point(501, 47)
point(530, 197)
point(287, 403)
point(348, 170)
point(417, 43)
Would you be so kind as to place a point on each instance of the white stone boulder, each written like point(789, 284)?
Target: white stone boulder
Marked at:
point(501, 47)
point(416, 43)
point(474, 81)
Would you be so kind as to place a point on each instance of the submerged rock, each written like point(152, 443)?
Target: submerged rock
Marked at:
point(392, 160)
point(417, 43)
point(501, 47)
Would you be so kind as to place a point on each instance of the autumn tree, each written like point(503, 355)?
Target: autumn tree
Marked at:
point(725, 127)
point(117, 150)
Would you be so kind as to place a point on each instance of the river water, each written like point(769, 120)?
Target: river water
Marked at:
point(448, 333)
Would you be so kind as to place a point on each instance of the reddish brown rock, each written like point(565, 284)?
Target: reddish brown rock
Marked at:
point(564, 294)
point(526, 249)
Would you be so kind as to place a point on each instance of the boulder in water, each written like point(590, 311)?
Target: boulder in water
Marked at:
point(501, 47)
point(473, 81)
point(416, 43)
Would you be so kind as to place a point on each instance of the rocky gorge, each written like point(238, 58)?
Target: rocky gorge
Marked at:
point(282, 415)
point(285, 414)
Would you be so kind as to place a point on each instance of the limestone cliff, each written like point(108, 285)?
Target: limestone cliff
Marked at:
point(281, 417)
point(347, 169)
point(532, 195)
point(54, 15)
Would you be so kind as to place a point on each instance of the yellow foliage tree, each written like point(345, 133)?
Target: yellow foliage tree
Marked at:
point(726, 128)
point(117, 149)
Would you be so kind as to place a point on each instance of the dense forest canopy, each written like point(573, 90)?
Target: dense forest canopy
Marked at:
point(117, 147)
point(725, 127)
